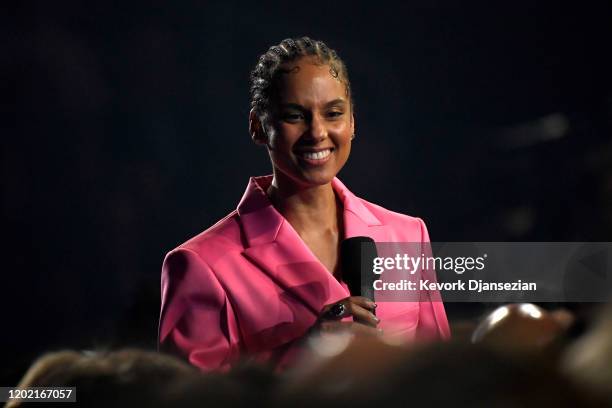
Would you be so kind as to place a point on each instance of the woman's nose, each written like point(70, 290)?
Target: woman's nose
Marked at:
point(318, 130)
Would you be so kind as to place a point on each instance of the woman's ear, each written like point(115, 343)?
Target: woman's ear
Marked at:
point(352, 126)
point(256, 128)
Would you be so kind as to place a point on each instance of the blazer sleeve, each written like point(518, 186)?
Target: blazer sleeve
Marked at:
point(195, 313)
point(433, 323)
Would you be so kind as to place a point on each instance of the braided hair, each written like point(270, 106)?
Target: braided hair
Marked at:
point(269, 67)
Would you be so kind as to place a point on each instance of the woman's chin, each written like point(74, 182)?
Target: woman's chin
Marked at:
point(307, 177)
point(318, 177)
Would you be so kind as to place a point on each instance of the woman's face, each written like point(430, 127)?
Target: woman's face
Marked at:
point(311, 124)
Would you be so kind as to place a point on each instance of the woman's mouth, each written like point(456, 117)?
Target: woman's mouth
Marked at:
point(315, 157)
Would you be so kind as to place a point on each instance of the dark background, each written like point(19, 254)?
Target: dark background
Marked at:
point(126, 133)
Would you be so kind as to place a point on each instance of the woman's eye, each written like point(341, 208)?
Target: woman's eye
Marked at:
point(292, 116)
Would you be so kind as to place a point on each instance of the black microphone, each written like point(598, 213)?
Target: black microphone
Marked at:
point(357, 259)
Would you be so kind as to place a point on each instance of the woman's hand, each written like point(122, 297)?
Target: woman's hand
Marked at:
point(361, 308)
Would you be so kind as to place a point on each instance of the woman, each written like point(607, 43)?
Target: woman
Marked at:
point(261, 278)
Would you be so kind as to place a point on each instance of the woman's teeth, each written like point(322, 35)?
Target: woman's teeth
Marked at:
point(316, 155)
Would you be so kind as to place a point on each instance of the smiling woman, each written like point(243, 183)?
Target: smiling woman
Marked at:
point(310, 128)
point(263, 277)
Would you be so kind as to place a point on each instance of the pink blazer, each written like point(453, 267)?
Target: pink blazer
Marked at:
point(250, 286)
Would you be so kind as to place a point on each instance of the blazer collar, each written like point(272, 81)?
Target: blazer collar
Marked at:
point(358, 220)
point(278, 250)
point(262, 222)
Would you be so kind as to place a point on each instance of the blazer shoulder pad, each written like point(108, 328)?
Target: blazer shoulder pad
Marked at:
point(219, 239)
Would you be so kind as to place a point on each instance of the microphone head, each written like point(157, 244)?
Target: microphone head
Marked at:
point(357, 259)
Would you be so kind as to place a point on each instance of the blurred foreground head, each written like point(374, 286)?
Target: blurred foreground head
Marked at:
point(589, 360)
point(522, 327)
point(361, 371)
point(130, 378)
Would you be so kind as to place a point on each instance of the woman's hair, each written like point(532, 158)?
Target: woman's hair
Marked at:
point(269, 66)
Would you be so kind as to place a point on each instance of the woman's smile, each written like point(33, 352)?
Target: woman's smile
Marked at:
point(315, 157)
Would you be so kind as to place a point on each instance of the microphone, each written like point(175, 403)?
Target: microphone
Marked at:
point(357, 258)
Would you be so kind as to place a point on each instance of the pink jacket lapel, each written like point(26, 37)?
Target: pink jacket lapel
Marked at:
point(277, 249)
